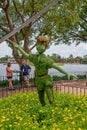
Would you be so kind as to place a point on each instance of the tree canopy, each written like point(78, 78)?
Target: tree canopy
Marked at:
point(65, 22)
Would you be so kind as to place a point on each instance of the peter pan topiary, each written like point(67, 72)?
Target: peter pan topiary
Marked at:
point(42, 63)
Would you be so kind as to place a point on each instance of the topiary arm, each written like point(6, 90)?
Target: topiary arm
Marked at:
point(69, 75)
point(26, 55)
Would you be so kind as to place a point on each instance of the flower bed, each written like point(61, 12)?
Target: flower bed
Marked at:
point(24, 112)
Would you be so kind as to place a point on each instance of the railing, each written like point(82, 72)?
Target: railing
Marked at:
point(76, 87)
point(5, 92)
point(64, 86)
point(16, 76)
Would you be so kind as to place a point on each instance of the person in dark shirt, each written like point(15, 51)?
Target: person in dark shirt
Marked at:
point(25, 71)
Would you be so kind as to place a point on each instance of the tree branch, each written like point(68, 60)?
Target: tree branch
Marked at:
point(15, 52)
point(26, 40)
point(9, 20)
point(4, 5)
point(27, 29)
point(81, 37)
point(1, 6)
point(23, 2)
point(20, 14)
point(32, 47)
point(7, 5)
point(82, 25)
point(10, 23)
point(4, 29)
point(10, 41)
point(83, 18)
point(33, 9)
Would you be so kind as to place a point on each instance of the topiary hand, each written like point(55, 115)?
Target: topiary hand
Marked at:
point(71, 76)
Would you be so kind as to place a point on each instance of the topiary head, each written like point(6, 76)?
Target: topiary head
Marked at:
point(43, 40)
point(42, 43)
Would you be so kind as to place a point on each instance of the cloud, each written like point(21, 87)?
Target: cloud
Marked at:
point(65, 50)
point(5, 50)
point(62, 50)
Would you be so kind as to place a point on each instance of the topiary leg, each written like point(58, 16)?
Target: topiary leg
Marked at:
point(49, 93)
point(41, 97)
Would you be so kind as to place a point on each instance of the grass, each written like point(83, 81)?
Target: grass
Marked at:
point(24, 112)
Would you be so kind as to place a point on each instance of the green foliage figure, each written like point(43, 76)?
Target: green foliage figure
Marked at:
point(42, 63)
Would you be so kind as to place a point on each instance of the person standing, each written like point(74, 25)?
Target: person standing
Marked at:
point(9, 73)
point(25, 71)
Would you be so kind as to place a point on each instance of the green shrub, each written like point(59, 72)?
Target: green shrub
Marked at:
point(5, 82)
point(56, 78)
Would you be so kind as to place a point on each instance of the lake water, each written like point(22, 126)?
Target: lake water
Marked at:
point(73, 68)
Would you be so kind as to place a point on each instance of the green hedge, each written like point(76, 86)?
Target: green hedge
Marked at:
point(57, 78)
point(5, 82)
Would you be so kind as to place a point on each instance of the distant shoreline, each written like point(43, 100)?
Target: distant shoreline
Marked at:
point(4, 63)
point(78, 69)
point(59, 63)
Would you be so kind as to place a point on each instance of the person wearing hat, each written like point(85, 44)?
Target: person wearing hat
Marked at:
point(42, 63)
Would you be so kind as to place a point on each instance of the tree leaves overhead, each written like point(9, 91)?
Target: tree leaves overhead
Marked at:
point(64, 18)
point(65, 22)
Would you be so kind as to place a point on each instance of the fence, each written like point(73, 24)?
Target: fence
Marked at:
point(16, 76)
point(64, 86)
point(5, 92)
point(76, 87)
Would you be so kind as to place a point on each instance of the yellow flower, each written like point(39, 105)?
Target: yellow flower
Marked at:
point(15, 123)
point(52, 110)
point(3, 117)
point(79, 128)
point(83, 119)
point(44, 126)
point(66, 119)
point(69, 128)
point(73, 128)
point(11, 112)
point(18, 124)
point(34, 127)
point(10, 125)
point(0, 125)
point(7, 119)
point(2, 128)
point(73, 122)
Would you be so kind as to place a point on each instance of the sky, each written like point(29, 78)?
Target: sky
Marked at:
point(62, 50)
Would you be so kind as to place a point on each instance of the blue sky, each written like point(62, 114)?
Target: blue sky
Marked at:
point(63, 50)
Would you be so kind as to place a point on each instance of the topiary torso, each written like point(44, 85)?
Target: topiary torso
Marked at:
point(42, 63)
